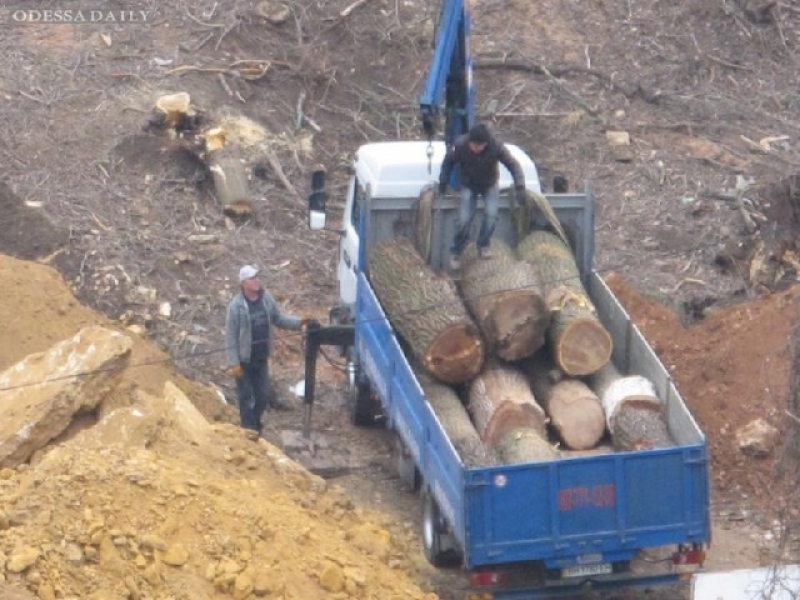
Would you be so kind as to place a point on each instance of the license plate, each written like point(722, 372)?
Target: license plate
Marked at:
point(586, 570)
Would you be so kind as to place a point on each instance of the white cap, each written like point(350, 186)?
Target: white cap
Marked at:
point(247, 272)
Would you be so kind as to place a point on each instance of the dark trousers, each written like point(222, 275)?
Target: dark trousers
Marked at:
point(467, 208)
point(255, 392)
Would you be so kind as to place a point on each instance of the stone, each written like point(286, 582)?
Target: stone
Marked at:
point(31, 415)
point(176, 555)
point(332, 578)
point(46, 591)
point(757, 439)
point(242, 586)
point(22, 558)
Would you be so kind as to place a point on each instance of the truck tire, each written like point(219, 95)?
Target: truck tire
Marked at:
point(406, 468)
point(439, 545)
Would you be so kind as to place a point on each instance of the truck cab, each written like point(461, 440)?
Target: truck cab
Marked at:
point(389, 172)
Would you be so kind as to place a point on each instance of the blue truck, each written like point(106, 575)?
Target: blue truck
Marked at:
point(532, 530)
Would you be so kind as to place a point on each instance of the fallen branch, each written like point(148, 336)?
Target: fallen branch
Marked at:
point(632, 91)
point(279, 173)
point(349, 9)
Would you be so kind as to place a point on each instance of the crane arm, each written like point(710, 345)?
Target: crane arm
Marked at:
point(449, 88)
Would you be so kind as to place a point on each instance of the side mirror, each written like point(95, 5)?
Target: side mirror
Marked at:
point(317, 200)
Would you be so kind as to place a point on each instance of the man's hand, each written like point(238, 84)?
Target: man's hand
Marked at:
point(305, 322)
point(236, 371)
point(520, 189)
point(442, 189)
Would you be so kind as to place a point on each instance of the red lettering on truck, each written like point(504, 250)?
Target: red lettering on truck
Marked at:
point(598, 496)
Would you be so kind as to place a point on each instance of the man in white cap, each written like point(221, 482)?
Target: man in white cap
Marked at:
point(248, 343)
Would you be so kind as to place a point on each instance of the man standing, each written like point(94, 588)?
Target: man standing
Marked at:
point(248, 343)
point(478, 154)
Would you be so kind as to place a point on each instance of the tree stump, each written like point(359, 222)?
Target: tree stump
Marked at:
point(456, 422)
point(426, 311)
point(580, 343)
point(507, 416)
point(575, 411)
point(505, 296)
point(634, 413)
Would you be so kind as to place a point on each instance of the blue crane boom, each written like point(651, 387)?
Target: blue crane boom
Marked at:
point(450, 85)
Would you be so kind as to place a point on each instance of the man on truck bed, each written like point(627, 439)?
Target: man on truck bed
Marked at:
point(248, 342)
point(478, 154)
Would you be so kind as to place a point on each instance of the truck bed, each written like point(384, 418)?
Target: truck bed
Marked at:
point(562, 512)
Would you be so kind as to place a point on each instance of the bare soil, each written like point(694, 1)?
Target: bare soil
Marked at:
point(705, 92)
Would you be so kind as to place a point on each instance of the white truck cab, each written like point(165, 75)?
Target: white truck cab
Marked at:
point(396, 170)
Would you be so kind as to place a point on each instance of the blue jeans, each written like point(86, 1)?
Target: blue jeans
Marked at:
point(254, 390)
point(467, 209)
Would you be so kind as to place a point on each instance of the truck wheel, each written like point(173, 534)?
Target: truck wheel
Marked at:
point(439, 545)
point(406, 469)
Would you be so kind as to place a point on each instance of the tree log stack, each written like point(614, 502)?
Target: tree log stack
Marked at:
point(426, 311)
point(575, 411)
point(580, 343)
point(456, 422)
point(634, 414)
point(505, 296)
point(507, 416)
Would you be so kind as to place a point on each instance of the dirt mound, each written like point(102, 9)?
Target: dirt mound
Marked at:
point(731, 369)
point(155, 501)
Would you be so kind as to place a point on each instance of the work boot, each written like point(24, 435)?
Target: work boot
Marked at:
point(455, 262)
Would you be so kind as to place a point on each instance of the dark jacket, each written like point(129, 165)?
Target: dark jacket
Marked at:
point(239, 331)
point(479, 172)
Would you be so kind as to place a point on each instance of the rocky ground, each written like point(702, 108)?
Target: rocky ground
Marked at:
point(663, 107)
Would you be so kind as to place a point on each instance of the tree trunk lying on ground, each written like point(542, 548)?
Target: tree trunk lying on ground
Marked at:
point(507, 417)
point(426, 311)
point(456, 422)
point(230, 176)
point(634, 414)
point(580, 343)
point(505, 296)
point(574, 410)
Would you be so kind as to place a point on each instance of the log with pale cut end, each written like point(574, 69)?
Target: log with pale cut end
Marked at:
point(596, 451)
point(634, 414)
point(501, 400)
point(426, 311)
point(230, 176)
point(581, 345)
point(524, 445)
point(575, 411)
point(505, 296)
point(456, 422)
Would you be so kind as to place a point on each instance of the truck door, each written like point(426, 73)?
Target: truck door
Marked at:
point(348, 245)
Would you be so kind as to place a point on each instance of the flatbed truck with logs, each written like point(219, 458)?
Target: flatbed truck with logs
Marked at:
point(550, 446)
point(543, 528)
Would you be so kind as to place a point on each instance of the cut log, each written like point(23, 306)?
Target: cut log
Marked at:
point(533, 211)
point(634, 414)
point(575, 411)
point(580, 343)
point(524, 445)
point(596, 451)
point(505, 296)
point(456, 422)
point(426, 311)
point(507, 416)
point(230, 176)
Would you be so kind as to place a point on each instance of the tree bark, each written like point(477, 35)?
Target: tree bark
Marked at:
point(580, 343)
point(230, 176)
point(426, 311)
point(574, 410)
point(634, 414)
point(507, 416)
point(456, 422)
point(505, 296)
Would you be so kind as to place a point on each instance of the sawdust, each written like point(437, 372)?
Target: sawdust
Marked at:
point(154, 501)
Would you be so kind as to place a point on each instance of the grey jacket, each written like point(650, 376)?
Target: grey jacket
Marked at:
point(239, 331)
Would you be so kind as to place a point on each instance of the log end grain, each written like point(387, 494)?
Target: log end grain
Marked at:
point(518, 323)
point(510, 416)
point(456, 354)
point(583, 346)
point(576, 414)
